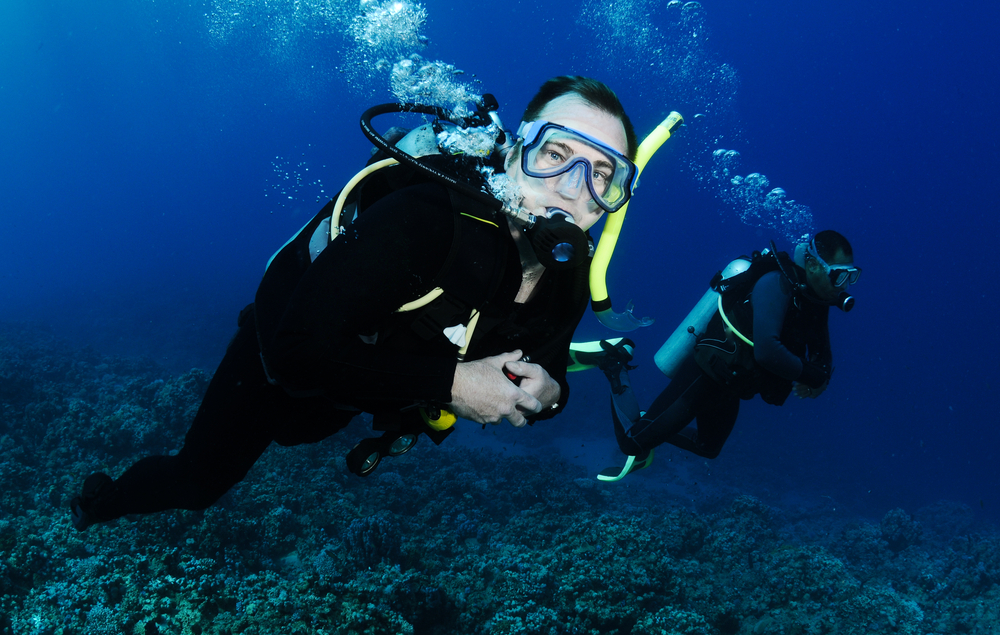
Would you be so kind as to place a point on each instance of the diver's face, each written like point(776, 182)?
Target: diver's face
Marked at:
point(564, 192)
point(819, 281)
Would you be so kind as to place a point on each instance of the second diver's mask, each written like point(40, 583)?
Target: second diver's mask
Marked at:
point(550, 150)
point(840, 275)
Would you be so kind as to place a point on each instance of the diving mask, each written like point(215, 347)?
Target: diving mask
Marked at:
point(840, 275)
point(549, 150)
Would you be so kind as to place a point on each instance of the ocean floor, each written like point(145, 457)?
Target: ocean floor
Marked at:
point(486, 534)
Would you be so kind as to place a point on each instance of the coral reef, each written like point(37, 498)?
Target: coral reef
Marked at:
point(441, 540)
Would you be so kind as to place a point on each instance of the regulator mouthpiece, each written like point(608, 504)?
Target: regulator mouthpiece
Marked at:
point(558, 243)
point(845, 301)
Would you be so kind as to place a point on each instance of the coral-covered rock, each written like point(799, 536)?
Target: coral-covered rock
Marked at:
point(879, 609)
point(899, 530)
point(374, 540)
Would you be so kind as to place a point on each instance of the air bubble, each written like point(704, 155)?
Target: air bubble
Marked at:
point(752, 200)
point(420, 81)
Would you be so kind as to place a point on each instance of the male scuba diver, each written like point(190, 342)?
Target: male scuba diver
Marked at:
point(760, 329)
point(415, 296)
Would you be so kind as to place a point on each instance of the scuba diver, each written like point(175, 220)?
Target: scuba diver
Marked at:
point(414, 296)
point(761, 328)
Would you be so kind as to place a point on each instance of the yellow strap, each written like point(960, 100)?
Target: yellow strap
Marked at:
point(432, 295)
point(342, 199)
point(473, 321)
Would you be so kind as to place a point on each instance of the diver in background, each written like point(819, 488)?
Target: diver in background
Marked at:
point(768, 335)
point(379, 321)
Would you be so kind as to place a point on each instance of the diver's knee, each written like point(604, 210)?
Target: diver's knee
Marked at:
point(205, 486)
point(202, 498)
point(709, 453)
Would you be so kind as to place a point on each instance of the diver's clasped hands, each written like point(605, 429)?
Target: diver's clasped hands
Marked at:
point(802, 391)
point(814, 379)
point(483, 393)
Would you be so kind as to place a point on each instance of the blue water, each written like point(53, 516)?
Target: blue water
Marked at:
point(155, 154)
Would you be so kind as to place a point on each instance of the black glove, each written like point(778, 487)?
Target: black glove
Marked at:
point(814, 375)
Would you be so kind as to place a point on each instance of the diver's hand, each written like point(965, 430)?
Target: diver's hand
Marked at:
point(482, 393)
point(815, 374)
point(536, 381)
point(803, 391)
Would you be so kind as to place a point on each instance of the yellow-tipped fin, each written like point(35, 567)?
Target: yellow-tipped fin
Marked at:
point(632, 464)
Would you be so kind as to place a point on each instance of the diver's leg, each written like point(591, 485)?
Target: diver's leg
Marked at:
point(234, 425)
point(613, 362)
point(716, 418)
point(673, 409)
point(624, 414)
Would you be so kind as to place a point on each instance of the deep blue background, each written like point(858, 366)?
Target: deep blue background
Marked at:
point(150, 166)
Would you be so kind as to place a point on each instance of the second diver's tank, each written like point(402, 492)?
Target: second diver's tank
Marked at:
point(681, 342)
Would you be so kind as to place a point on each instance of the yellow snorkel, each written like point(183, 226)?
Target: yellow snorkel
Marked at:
point(599, 299)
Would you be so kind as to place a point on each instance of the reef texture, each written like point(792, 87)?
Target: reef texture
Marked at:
point(441, 540)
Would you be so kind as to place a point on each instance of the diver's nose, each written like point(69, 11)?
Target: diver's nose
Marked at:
point(571, 183)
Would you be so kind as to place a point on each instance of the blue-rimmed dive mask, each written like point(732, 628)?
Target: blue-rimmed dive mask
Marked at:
point(840, 275)
point(549, 150)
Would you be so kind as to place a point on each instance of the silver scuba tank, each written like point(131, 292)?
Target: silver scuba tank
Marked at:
point(681, 342)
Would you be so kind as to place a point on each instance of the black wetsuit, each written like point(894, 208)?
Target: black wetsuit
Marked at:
point(787, 329)
point(334, 344)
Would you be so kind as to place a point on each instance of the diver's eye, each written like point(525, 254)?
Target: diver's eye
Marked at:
point(551, 156)
point(601, 181)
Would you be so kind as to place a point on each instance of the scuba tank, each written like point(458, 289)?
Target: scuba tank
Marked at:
point(681, 342)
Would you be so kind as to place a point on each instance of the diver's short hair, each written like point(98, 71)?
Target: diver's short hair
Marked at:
point(593, 92)
point(829, 242)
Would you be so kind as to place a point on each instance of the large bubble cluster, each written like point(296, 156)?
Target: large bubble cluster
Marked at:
point(391, 27)
point(419, 81)
point(756, 203)
point(382, 33)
